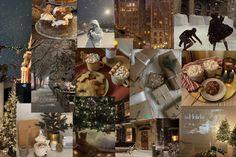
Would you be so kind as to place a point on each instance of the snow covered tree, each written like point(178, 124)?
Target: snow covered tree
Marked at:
point(95, 113)
point(223, 133)
point(8, 126)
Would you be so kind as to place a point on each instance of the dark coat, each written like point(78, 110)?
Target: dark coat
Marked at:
point(218, 30)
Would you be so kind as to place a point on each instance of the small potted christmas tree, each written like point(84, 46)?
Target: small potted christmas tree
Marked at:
point(232, 140)
point(223, 134)
point(53, 123)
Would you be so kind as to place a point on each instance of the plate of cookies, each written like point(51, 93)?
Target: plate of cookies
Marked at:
point(91, 83)
point(213, 89)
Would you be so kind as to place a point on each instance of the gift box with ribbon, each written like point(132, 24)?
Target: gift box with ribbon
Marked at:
point(171, 69)
point(142, 59)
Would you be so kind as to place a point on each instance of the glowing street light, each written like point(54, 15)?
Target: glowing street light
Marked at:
point(107, 11)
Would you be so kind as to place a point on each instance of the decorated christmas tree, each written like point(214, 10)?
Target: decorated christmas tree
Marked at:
point(8, 127)
point(95, 113)
point(232, 138)
point(223, 133)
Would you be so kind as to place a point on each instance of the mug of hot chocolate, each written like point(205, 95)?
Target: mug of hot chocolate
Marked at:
point(119, 75)
point(93, 62)
point(210, 67)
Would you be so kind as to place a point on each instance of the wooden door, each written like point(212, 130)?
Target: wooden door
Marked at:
point(144, 140)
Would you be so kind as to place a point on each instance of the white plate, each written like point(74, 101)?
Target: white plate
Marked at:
point(219, 95)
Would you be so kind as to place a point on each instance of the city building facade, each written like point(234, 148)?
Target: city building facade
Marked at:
point(148, 22)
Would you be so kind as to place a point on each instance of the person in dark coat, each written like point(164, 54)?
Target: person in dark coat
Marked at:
point(218, 31)
point(187, 38)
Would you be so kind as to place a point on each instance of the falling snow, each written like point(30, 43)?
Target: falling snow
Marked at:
point(15, 30)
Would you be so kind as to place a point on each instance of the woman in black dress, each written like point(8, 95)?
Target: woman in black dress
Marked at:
point(218, 31)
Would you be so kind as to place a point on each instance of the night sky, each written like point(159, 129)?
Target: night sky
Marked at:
point(15, 29)
point(95, 9)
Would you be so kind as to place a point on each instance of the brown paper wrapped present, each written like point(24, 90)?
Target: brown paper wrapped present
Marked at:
point(27, 131)
point(142, 59)
point(171, 72)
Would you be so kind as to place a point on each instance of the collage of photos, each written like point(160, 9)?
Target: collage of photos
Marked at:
point(118, 78)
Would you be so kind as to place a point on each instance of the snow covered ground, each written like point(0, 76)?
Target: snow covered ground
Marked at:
point(136, 153)
point(201, 24)
point(107, 40)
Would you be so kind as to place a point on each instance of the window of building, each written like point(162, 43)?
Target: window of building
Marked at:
point(129, 137)
point(160, 34)
point(155, 41)
point(155, 33)
point(127, 110)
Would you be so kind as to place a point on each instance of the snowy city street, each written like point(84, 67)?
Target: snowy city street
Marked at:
point(181, 24)
point(107, 40)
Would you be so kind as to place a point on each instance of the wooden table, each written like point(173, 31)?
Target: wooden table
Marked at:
point(189, 100)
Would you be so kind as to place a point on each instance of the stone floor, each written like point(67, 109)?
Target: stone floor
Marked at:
point(43, 100)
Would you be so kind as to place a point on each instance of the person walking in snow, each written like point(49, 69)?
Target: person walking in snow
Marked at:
point(94, 34)
point(218, 31)
point(187, 38)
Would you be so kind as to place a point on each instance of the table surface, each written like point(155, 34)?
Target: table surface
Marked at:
point(189, 100)
point(119, 92)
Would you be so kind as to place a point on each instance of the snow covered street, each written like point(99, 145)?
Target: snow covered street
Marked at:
point(107, 40)
point(182, 24)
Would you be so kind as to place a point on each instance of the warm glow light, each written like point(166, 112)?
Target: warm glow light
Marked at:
point(129, 137)
point(107, 12)
point(175, 138)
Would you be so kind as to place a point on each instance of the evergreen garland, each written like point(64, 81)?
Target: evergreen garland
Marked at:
point(170, 63)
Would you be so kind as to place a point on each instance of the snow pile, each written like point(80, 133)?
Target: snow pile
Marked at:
point(104, 140)
point(101, 139)
point(196, 20)
point(207, 19)
point(228, 21)
point(180, 19)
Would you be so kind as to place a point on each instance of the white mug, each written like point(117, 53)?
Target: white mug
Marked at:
point(118, 81)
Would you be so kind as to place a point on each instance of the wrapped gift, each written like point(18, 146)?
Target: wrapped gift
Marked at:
point(163, 95)
point(171, 69)
point(27, 131)
point(154, 80)
point(142, 59)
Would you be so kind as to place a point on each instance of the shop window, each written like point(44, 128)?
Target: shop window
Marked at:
point(129, 137)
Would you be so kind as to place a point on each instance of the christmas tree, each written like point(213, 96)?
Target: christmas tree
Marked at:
point(95, 113)
point(232, 139)
point(8, 126)
point(223, 133)
point(53, 122)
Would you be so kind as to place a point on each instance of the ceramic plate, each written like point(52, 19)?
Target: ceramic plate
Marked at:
point(219, 95)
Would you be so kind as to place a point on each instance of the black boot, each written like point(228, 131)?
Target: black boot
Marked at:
point(214, 46)
point(226, 45)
